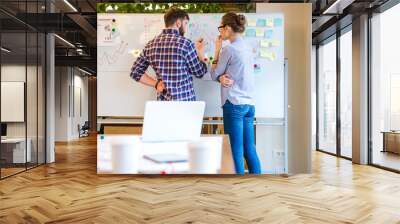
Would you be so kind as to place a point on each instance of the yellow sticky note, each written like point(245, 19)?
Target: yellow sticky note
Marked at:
point(251, 22)
point(135, 52)
point(264, 53)
point(264, 43)
point(270, 22)
point(259, 32)
point(275, 43)
point(269, 43)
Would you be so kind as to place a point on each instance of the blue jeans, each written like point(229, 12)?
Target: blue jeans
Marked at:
point(238, 124)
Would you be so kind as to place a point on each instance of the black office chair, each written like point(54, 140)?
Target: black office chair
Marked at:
point(84, 130)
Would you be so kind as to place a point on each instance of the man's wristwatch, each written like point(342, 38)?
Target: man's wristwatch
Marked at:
point(158, 81)
point(215, 62)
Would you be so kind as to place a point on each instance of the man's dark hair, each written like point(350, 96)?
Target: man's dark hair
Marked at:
point(173, 14)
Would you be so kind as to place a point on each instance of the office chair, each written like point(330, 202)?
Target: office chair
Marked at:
point(84, 130)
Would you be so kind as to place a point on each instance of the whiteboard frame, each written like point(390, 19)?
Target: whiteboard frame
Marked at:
point(106, 113)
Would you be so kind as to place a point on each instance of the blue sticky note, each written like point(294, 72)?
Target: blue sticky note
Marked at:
point(257, 70)
point(268, 34)
point(261, 22)
point(250, 33)
point(278, 22)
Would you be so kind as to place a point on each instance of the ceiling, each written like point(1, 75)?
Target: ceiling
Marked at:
point(76, 23)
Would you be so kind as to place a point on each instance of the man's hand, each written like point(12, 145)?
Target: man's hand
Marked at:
point(226, 80)
point(160, 87)
point(200, 48)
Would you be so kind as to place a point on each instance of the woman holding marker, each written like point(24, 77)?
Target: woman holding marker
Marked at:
point(232, 67)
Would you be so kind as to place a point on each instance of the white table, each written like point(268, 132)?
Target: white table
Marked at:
point(125, 160)
point(19, 155)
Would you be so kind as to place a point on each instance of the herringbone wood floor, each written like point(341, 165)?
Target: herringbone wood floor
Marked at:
point(69, 191)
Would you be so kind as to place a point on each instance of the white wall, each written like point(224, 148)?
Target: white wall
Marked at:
point(70, 83)
point(62, 81)
point(298, 53)
point(81, 104)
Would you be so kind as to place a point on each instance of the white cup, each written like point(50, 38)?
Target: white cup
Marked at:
point(125, 154)
point(204, 157)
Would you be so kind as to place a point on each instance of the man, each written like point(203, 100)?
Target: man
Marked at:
point(174, 58)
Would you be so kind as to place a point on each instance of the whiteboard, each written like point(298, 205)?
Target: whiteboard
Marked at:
point(121, 37)
point(12, 101)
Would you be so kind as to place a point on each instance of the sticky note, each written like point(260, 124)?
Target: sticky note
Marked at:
point(259, 32)
point(250, 32)
point(251, 22)
point(278, 22)
point(264, 53)
point(272, 56)
point(269, 43)
point(268, 33)
point(275, 43)
point(265, 43)
point(257, 68)
point(135, 52)
point(270, 22)
point(261, 22)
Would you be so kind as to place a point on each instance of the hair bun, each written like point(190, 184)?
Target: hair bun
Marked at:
point(241, 20)
point(236, 21)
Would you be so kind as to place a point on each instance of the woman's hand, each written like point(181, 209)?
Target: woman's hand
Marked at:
point(226, 80)
point(218, 43)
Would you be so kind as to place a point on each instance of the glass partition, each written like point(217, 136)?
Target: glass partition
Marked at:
point(385, 90)
point(327, 96)
point(13, 105)
point(346, 94)
point(22, 89)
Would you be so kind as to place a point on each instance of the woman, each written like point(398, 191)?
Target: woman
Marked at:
point(232, 67)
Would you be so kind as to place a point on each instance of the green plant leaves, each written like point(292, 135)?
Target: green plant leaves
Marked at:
point(162, 7)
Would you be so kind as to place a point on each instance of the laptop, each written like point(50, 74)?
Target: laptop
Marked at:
point(167, 121)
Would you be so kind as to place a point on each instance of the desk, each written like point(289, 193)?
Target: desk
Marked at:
point(391, 141)
point(133, 125)
point(13, 150)
point(106, 162)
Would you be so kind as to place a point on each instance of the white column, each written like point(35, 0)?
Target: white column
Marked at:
point(360, 90)
point(50, 110)
point(297, 30)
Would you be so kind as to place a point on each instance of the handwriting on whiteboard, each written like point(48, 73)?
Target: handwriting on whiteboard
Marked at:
point(111, 57)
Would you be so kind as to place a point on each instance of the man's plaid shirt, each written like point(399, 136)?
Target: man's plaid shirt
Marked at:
point(175, 61)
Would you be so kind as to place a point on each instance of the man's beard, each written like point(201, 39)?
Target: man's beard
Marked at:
point(181, 31)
